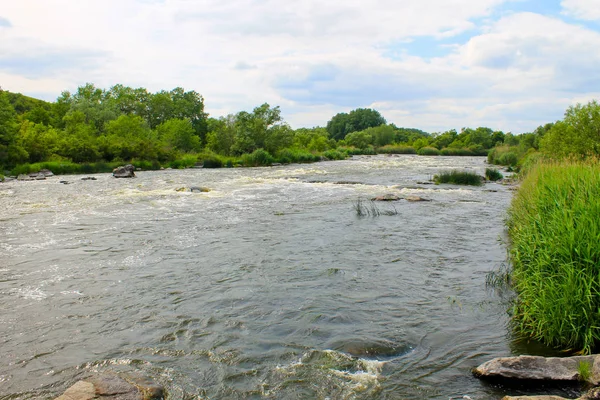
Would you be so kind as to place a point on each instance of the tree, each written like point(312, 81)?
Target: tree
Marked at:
point(357, 120)
point(11, 153)
point(252, 130)
point(179, 135)
point(578, 134)
point(221, 134)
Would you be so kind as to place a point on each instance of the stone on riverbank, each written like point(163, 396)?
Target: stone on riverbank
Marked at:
point(113, 387)
point(591, 395)
point(416, 198)
point(539, 368)
point(127, 171)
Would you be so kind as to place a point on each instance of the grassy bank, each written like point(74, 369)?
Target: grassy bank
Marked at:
point(554, 227)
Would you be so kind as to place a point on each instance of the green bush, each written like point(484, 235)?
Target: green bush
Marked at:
point(288, 156)
point(257, 158)
point(492, 174)
point(458, 178)
point(456, 152)
point(335, 155)
point(428, 151)
point(554, 227)
point(396, 149)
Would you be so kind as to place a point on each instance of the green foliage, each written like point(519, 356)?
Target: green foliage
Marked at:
point(457, 177)
point(456, 152)
point(492, 174)
point(396, 149)
point(335, 155)
point(357, 120)
point(577, 135)
point(288, 156)
point(554, 227)
point(360, 139)
point(257, 158)
point(505, 155)
point(187, 161)
point(428, 151)
point(584, 371)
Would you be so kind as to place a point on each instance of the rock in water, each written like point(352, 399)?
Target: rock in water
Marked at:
point(127, 171)
point(540, 368)
point(45, 172)
point(416, 198)
point(113, 387)
point(199, 189)
point(386, 197)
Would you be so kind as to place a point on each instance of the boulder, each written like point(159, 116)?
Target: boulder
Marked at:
point(594, 393)
point(126, 171)
point(23, 177)
point(80, 391)
point(540, 368)
point(386, 197)
point(199, 189)
point(46, 172)
point(416, 198)
point(113, 387)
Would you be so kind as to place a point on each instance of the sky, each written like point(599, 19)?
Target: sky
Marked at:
point(435, 65)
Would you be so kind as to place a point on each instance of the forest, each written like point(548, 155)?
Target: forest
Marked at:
point(93, 129)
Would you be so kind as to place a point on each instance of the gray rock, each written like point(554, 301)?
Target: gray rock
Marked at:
point(386, 197)
point(23, 177)
point(416, 198)
point(65, 182)
point(80, 391)
point(113, 387)
point(539, 368)
point(46, 172)
point(89, 178)
point(199, 189)
point(127, 171)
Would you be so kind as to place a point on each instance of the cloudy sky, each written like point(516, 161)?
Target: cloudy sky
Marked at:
point(429, 64)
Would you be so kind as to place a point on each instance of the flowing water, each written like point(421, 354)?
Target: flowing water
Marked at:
point(269, 286)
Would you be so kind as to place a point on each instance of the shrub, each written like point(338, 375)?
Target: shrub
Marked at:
point(554, 227)
point(428, 151)
point(456, 152)
point(288, 156)
point(396, 149)
point(458, 178)
point(335, 155)
point(259, 157)
point(492, 174)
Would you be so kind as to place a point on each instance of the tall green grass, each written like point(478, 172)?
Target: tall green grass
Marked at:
point(492, 174)
point(554, 227)
point(428, 151)
point(456, 152)
point(396, 149)
point(457, 177)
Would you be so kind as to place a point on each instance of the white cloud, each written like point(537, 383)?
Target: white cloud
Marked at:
point(314, 59)
point(583, 9)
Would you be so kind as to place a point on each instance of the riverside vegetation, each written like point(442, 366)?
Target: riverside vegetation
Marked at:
point(93, 130)
point(554, 229)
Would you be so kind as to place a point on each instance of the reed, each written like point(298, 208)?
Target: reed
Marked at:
point(492, 174)
point(458, 178)
point(428, 151)
point(554, 227)
point(396, 149)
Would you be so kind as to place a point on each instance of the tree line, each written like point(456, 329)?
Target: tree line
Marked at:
point(124, 124)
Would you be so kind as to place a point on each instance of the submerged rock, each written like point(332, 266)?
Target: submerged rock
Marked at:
point(540, 368)
point(592, 394)
point(387, 197)
point(127, 171)
point(46, 172)
point(193, 189)
point(416, 198)
point(23, 177)
point(113, 387)
point(89, 178)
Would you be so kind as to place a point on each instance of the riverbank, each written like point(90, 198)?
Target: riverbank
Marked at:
point(554, 228)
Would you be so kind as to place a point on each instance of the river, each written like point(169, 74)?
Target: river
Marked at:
point(268, 286)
